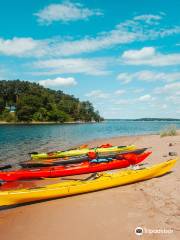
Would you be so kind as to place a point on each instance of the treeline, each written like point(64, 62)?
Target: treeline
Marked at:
point(32, 102)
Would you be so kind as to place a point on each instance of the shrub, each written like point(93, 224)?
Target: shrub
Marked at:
point(169, 131)
point(8, 116)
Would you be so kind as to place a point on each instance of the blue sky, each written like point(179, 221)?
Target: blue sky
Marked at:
point(123, 56)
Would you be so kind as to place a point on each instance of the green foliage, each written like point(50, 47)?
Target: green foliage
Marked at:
point(169, 131)
point(41, 115)
point(1, 104)
point(59, 116)
point(7, 116)
point(25, 113)
point(36, 103)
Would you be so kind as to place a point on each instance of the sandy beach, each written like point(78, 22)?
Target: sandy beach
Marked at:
point(108, 214)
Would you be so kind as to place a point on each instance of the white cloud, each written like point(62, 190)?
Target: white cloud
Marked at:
point(94, 66)
point(126, 32)
point(149, 56)
point(21, 47)
point(149, 18)
point(174, 99)
point(125, 77)
point(171, 88)
point(150, 76)
point(144, 53)
point(58, 82)
point(129, 101)
point(65, 12)
point(138, 90)
point(123, 101)
point(145, 98)
point(157, 76)
point(97, 94)
point(120, 92)
point(166, 32)
point(170, 93)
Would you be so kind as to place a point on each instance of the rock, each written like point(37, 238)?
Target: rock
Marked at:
point(164, 155)
point(172, 153)
point(171, 144)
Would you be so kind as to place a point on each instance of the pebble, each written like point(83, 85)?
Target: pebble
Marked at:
point(172, 153)
point(171, 144)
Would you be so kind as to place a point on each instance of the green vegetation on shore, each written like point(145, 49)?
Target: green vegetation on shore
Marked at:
point(34, 103)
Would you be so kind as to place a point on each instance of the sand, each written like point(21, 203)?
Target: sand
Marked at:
point(108, 214)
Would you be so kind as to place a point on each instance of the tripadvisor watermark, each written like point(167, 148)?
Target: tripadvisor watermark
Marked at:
point(140, 231)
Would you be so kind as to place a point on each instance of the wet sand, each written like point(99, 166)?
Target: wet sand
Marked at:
point(108, 214)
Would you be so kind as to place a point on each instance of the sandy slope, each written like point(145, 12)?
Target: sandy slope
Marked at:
point(108, 214)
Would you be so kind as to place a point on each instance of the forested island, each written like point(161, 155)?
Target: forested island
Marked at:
point(23, 101)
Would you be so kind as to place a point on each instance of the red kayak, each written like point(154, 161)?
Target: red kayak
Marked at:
point(73, 169)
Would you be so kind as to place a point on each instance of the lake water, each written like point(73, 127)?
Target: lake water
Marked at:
point(17, 140)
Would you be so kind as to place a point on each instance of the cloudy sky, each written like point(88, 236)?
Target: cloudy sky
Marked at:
point(123, 56)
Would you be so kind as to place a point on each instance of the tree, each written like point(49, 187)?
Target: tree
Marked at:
point(2, 106)
point(25, 114)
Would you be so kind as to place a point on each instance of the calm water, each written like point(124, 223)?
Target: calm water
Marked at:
point(17, 140)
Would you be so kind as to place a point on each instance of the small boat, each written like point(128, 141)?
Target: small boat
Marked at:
point(82, 151)
point(75, 169)
point(97, 182)
point(77, 159)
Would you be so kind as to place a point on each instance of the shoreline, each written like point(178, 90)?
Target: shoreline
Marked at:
point(152, 204)
point(43, 123)
point(83, 122)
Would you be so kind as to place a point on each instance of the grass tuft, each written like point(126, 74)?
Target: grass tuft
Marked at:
point(169, 131)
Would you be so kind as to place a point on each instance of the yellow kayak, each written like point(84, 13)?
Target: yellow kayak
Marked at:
point(100, 181)
point(78, 152)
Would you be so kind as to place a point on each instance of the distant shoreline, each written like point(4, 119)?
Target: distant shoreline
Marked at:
point(146, 119)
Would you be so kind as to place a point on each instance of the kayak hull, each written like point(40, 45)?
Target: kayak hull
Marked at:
point(67, 188)
point(69, 170)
